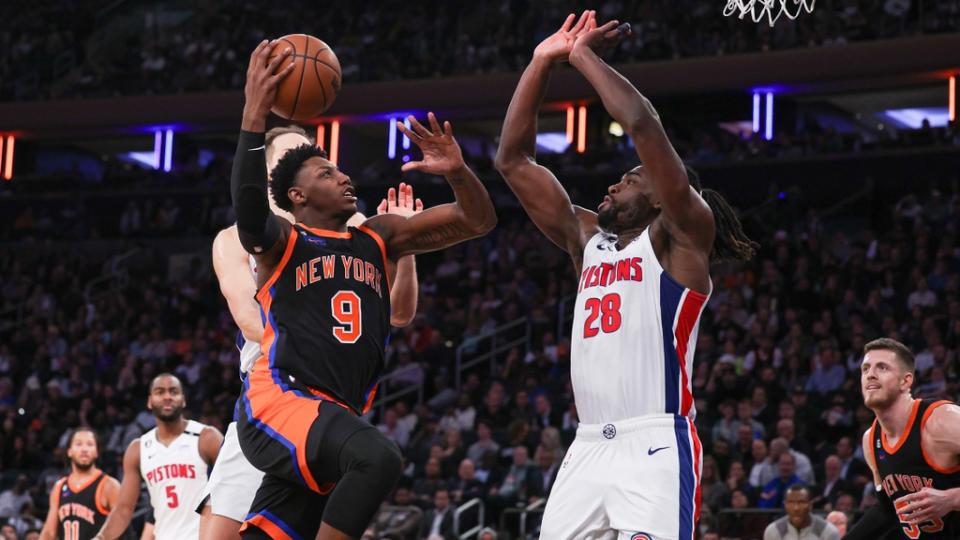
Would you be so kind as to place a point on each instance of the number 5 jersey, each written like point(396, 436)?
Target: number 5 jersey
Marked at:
point(175, 476)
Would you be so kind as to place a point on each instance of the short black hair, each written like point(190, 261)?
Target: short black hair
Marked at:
point(154, 380)
point(82, 429)
point(899, 349)
point(796, 488)
point(284, 174)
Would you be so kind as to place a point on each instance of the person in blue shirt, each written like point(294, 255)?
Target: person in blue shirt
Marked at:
point(772, 494)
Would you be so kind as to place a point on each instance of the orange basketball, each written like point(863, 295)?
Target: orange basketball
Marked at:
point(313, 84)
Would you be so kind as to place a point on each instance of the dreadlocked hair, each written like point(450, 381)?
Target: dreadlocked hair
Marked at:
point(730, 242)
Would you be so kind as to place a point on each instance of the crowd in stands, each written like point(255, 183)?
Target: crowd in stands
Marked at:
point(776, 370)
point(66, 49)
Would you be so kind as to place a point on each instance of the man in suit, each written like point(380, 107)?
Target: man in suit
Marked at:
point(825, 494)
point(852, 469)
point(438, 523)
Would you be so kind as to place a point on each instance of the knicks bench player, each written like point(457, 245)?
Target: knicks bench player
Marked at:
point(644, 266)
point(324, 294)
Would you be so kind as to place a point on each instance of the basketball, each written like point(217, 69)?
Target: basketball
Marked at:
point(313, 84)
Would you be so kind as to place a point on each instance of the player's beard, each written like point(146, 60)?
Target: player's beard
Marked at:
point(174, 414)
point(880, 400)
point(83, 467)
point(616, 217)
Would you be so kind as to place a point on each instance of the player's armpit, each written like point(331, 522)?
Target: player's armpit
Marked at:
point(119, 518)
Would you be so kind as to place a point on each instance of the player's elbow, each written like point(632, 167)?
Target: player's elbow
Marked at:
point(509, 161)
point(399, 318)
point(486, 224)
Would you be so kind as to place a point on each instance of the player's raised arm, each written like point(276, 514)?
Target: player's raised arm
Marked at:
point(119, 518)
point(688, 217)
point(542, 196)
point(403, 294)
point(230, 264)
point(472, 214)
point(262, 233)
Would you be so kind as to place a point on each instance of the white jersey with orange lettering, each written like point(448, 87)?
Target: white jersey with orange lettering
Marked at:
point(175, 477)
point(634, 333)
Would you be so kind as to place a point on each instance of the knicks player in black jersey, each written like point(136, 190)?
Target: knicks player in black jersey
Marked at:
point(80, 502)
point(913, 449)
point(324, 295)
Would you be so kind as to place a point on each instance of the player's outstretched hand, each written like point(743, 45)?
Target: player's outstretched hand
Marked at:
point(927, 504)
point(557, 47)
point(400, 201)
point(263, 77)
point(441, 153)
point(601, 39)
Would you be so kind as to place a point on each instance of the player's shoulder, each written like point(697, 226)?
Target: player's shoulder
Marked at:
point(227, 238)
point(941, 416)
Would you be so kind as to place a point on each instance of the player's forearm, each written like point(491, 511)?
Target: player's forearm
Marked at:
point(257, 226)
point(621, 99)
point(476, 209)
point(518, 136)
point(403, 295)
point(247, 317)
point(117, 522)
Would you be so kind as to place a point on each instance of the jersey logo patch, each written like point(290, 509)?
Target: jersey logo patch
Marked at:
point(609, 431)
point(641, 536)
point(651, 451)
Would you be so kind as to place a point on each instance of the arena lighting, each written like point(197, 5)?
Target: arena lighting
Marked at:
point(334, 141)
point(8, 156)
point(1, 154)
point(756, 112)
point(582, 131)
point(392, 139)
point(913, 118)
point(321, 132)
point(953, 98)
point(768, 132)
point(570, 124)
point(168, 151)
point(157, 149)
point(615, 129)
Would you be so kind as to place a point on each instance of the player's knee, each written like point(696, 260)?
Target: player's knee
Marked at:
point(376, 456)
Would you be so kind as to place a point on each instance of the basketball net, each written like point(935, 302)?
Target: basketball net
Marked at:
point(772, 9)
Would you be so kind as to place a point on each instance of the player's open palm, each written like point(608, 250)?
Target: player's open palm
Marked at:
point(557, 47)
point(400, 201)
point(441, 153)
point(264, 75)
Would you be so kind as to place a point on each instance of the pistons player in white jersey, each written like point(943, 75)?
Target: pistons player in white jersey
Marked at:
point(234, 481)
point(172, 459)
point(643, 260)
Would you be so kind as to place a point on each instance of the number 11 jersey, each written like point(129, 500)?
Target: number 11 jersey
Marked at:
point(634, 334)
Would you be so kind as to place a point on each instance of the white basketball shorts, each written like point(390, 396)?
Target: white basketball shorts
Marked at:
point(233, 481)
point(636, 479)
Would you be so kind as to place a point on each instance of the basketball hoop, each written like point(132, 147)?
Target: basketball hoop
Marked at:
point(758, 8)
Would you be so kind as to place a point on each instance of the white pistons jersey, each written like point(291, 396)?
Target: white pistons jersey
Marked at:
point(634, 334)
point(175, 477)
point(249, 350)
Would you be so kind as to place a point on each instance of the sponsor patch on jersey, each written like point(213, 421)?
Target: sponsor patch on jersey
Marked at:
point(641, 536)
point(609, 431)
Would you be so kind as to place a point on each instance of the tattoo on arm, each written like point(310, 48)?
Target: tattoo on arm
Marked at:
point(439, 236)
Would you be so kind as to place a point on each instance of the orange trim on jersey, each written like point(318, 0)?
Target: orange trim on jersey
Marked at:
point(373, 394)
point(327, 232)
point(57, 488)
point(327, 397)
point(86, 484)
point(906, 430)
point(383, 250)
point(99, 495)
point(873, 445)
point(287, 252)
point(263, 523)
point(926, 456)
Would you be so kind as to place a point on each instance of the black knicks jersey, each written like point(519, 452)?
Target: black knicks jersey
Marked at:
point(79, 512)
point(905, 469)
point(326, 314)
